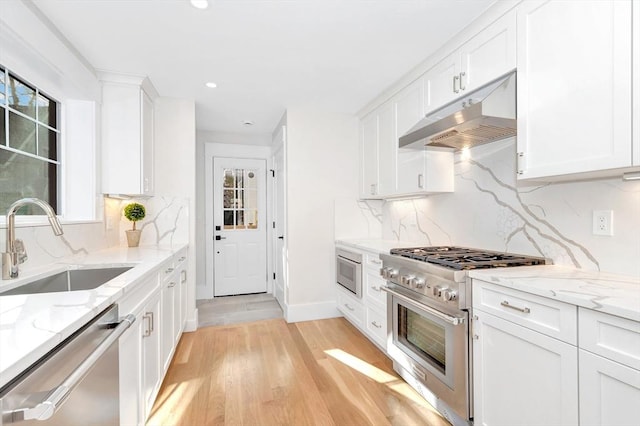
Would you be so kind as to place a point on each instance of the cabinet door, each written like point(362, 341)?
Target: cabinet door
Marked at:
point(489, 54)
point(409, 109)
point(609, 392)
point(522, 377)
point(574, 87)
point(151, 354)
point(177, 315)
point(168, 339)
point(636, 84)
point(147, 144)
point(369, 155)
point(442, 81)
point(183, 295)
point(387, 149)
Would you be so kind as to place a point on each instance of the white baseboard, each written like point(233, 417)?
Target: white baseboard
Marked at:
point(192, 323)
point(311, 311)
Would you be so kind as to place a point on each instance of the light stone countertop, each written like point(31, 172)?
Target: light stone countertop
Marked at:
point(32, 325)
point(614, 294)
point(376, 245)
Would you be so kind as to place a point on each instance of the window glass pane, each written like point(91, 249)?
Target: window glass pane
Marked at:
point(239, 178)
point(240, 219)
point(2, 87)
point(3, 134)
point(47, 111)
point(251, 199)
point(47, 143)
point(229, 198)
point(239, 199)
point(228, 178)
point(21, 97)
point(228, 219)
point(22, 176)
point(250, 181)
point(252, 218)
point(22, 133)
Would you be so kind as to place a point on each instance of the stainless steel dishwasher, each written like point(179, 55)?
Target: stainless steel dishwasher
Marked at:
point(77, 383)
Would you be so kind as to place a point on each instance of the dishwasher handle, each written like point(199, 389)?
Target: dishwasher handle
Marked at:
point(54, 400)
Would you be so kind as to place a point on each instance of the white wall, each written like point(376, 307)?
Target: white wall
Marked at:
point(322, 165)
point(175, 182)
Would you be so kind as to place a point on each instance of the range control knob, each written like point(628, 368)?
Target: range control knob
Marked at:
point(449, 295)
point(437, 291)
point(392, 273)
point(383, 272)
point(418, 283)
point(407, 280)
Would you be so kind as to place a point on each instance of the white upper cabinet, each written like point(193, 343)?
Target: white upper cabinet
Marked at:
point(409, 109)
point(485, 57)
point(636, 84)
point(127, 136)
point(574, 87)
point(387, 150)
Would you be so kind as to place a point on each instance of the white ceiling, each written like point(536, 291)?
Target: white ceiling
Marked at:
point(265, 55)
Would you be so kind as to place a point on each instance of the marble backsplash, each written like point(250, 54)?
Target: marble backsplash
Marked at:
point(166, 223)
point(490, 210)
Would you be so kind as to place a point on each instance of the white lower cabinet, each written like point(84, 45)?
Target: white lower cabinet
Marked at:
point(150, 353)
point(522, 377)
point(609, 392)
point(376, 326)
point(351, 307)
point(146, 349)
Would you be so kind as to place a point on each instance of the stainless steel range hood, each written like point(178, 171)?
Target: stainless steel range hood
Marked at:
point(485, 115)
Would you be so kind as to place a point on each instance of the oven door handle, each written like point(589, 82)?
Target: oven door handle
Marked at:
point(448, 318)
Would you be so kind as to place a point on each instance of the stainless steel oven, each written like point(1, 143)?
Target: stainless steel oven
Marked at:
point(432, 346)
point(428, 303)
point(349, 271)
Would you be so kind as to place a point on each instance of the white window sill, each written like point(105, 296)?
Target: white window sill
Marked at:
point(36, 221)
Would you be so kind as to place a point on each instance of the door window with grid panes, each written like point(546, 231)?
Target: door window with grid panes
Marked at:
point(240, 199)
point(29, 144)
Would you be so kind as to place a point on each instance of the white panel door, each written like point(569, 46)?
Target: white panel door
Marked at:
point(574, 87)
point(522, 377)
point(609, 392)
point(239, 205)
point(279, 201)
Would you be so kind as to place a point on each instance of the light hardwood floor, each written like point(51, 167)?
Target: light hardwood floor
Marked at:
point(273, 373)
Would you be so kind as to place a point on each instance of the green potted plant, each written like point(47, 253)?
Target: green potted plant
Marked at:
point(134, 212)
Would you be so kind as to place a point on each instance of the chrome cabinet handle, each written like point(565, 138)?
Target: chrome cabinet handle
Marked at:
point(349, 307)
point(421, 181)
point(152, 321)
point(183, 276)
point(54, 400)
point(375, 324)
point(376, 261)
point(506, 304)
point(373, 189)
point(456, 79)
point(182, 258)
point(171, 284)
point(520, 161)
point(374, 288)
point(147, 332)
point(462, 86)
point(168, 270)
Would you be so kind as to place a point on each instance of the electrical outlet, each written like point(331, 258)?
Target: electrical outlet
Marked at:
point(603, 222)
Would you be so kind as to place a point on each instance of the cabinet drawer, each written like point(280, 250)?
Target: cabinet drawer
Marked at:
point(550, 317)
point(166, 271)
point(372, 261)
point(373, 284)
point(610, 336)
point(352, 308)
point(132, 301)
point(376, 326)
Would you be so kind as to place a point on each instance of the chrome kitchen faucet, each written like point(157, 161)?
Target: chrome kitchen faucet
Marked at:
point(16, 253)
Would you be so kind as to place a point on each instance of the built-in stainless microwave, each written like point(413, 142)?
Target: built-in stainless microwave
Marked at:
point(349, 271)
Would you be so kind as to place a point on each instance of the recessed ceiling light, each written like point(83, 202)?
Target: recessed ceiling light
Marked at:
point(211, 85)
point(247, 122)
point(200, 4)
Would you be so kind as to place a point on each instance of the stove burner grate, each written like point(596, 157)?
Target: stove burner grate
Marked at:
point(461, 258)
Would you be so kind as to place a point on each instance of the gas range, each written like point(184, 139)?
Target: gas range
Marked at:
point(439, 273)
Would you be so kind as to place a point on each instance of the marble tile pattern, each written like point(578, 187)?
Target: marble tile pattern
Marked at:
point(490, 210)
point(166, 221)
point(32, 325)
point(357, 218)
point(609, 293)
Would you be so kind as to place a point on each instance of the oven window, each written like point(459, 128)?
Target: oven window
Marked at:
point(422, 336)
point(347, 271)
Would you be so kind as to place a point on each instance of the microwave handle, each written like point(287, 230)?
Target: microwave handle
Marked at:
point(448, 318)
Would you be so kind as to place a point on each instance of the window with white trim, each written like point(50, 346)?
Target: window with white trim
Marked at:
point(29, 144)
